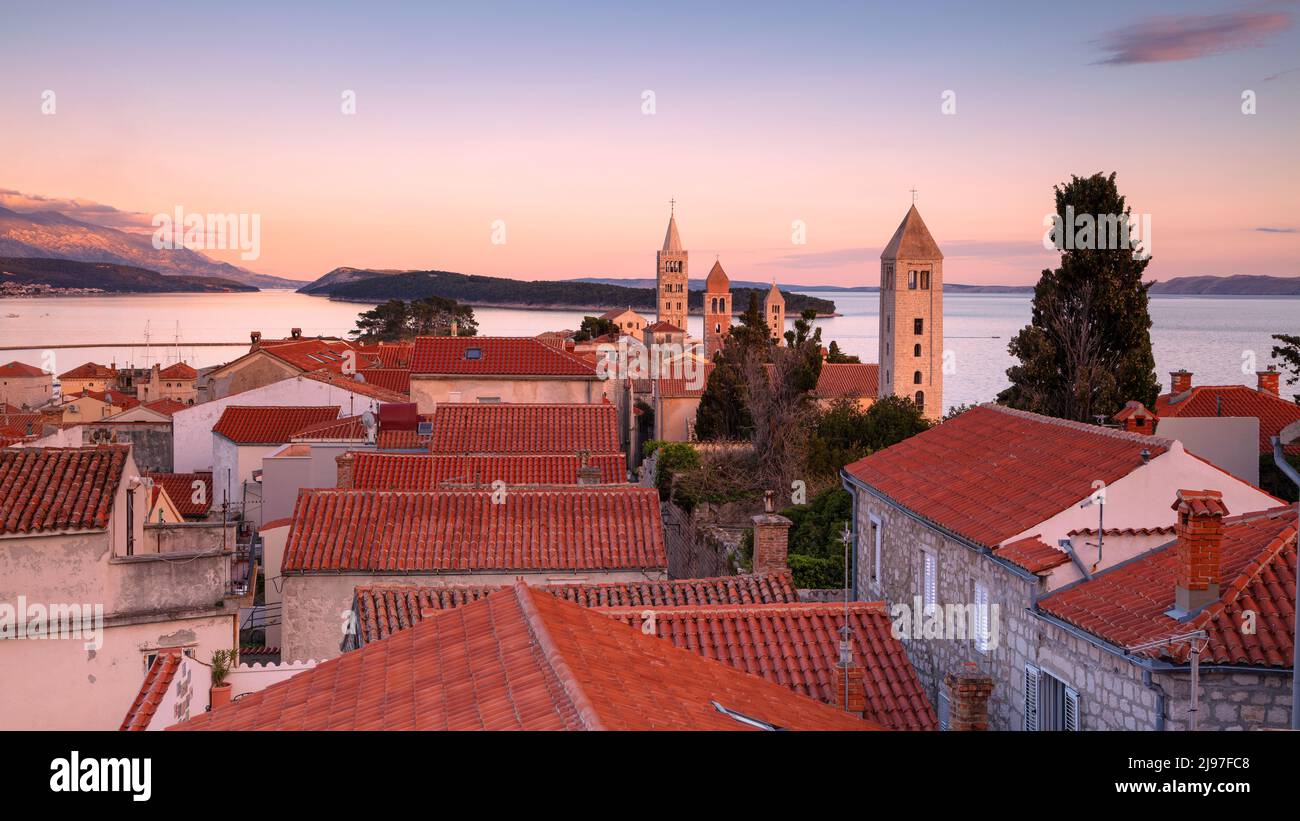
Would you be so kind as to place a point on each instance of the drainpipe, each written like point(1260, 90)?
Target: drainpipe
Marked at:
point(1149, 683)
point(1279, 459)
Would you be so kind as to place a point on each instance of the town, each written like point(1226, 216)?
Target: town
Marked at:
point(787, 535)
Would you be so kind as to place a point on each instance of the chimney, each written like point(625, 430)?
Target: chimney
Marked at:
point(1200, 550)
point(1180, 381)
point(850, 686)
point(1268, 380)
point(968, 699)
point(771, 538)
point(345, 462)
point(296, 333)
point(569, 345)
point(454, 328)
point(587, 474)
point(255, 336)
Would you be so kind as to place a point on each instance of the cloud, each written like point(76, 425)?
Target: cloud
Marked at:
point(84, 210)
point(1273, 230)
point(1189, 36)
point(957, 249)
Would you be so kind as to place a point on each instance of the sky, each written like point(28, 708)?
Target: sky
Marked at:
point(516, 139)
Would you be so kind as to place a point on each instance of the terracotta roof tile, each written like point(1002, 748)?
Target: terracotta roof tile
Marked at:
point(388, 355)
point(681, 388)
point(345, 428)
point(401, 440)
point(1273, 412)
point(521, 659)
point(181, 489)
point(397, 380)
point(847, 379)
point(20, 370)
point(269, 424)
point(495, 356)
point(156, 681)
point(384, 609)
point(178, 371)
point(422, 471)
point(90, 370)
point(992, 473)
point(349, 383)
point(586, 528)
point(112, 398)
point(165, 406)
point(51, 489)
point(522, 428)
point(1033, 554)
point(1126, 604)
point(313, 354)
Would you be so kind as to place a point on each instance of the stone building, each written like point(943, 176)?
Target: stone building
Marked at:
point(774, 313)
point(24, 386)
point(672, 274)
point(963, 527)
point(717, 310)
point(911, 316)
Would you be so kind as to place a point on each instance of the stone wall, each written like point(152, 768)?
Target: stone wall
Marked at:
point(692, 551)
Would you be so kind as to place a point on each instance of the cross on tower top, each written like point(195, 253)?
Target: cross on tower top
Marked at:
point(914, 195)
point(672, 207)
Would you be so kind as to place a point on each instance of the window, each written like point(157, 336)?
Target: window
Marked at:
point(489, 400)
point(981, 617)
point(925, 280)
point(911, 280)
point(920, 399)
point(1050, 704)
point(873, 541)
point(916, 378)
point(916, 350)
point(473, 353)
point(918, 326)
point(887, 322)
point(929, 580)
point(944, 710)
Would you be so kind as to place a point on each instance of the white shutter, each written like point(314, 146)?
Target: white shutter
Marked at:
point(981, 618)
point(875, 564)
point(944, 710)
point(931, 583)
point(1071, 710)
point(1031, 698)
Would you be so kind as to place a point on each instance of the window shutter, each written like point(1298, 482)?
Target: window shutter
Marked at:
point(981, 618)
point(931, 583)
point(875, 565)
point(944, 710)
point(1031, 698)
point(1071, 710)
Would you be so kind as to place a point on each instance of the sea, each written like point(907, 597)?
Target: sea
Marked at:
point(1222, 340)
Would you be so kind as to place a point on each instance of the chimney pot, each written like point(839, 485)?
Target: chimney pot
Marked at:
point(850, 689)
point(296, 333)
point(1268, 381)
point(255, 336)
point(1200, 550)
point(1180, 381)
point(968, 700)
point(345, 462)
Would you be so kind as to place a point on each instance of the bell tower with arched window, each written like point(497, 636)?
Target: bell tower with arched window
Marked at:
point(911, 316)
point(717, 310)
point(671, 276)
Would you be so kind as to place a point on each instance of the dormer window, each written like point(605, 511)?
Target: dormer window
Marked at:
point(473, 353)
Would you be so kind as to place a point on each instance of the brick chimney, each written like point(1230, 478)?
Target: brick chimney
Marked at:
point(1135, 418)
point(771, 538)
point(255, 336)
point(1268, 381)
point(345, 462)
point(1180, 381)
point(296, 333)
point(1200, 550)
point(587, 474)
point(968, 699)
point(850, 686)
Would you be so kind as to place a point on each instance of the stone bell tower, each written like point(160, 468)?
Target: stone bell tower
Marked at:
point(911, 316)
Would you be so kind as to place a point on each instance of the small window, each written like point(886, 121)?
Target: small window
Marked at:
point(1050, 704)
point(981, 617)
point(489, 400)
point(911, 280)
point(929, 579)
point(916, 378)
point(916, 350)
point(918, 326)
point(873, 541)
point(473, 353)
point(925, 280)
point(920, 399)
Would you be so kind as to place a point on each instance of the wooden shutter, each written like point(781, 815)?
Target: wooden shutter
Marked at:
point(1071, 710)
point(944, 710)
point(875, 538)
point(1031, 698)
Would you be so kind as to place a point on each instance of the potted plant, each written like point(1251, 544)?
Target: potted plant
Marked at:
point(222, 662)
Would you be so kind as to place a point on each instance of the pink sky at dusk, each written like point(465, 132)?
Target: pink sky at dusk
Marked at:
point(833, 129)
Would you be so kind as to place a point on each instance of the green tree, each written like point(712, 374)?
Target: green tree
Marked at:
point(1088, 348)
point(1289, 354)
point(397, 320)
point(837, 356)
point(722, 413)
point(844, 433)
point(594, 326)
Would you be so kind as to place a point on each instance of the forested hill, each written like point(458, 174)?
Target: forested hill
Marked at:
point(108, 277)
point(500, 292)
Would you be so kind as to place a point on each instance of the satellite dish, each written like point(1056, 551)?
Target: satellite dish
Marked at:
point(368, 422)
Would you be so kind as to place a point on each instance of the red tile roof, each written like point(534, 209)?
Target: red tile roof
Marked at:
point(664, 328)
point(521, 659)
point(388, 355)
point(397, 380)
point(520, 428)
point(15, 424)
point(165, 406)
point(90, 370)
point(53, 489)
point(1126, 604)
point(153, 689)
point(313, 354)
point(269, 425)
point(587, 528)
point(181, 490)
point(1132, 408)
point(681, 388)
point(992, 473)
point(797, 646)
point(1273, 412)
point(847, 379)
point(497, 356)
point(384, 609)
point(345, 428)
point(350, 384)
point(112, 398)
point(178, 371)
point(1033, 554)
point(401, 440)
point(422, 471)
point(19, 370)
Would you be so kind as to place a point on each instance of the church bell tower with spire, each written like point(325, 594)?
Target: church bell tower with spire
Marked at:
point(671, 275)
point(911, 316)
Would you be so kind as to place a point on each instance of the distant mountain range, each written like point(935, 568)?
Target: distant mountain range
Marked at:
point(1236, 285)
point(378, 285)
point(108, 277)
point(51, 235)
